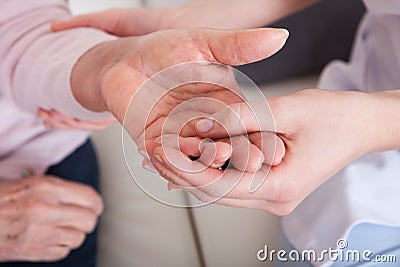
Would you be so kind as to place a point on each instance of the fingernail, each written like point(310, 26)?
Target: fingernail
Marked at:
point(47, 124)
point(54, 26)
point(158, 157)
point(172, 187)
point(144, 154)
point(205, 125)
point(150, 168)
point(282, 33)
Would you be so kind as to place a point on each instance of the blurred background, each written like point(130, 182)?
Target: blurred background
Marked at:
point(136, 230)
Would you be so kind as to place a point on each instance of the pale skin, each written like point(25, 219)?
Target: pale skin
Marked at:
point(131, 22)
point(105, 78)
point(324, 135)
point(217, 14)
point(198, 13)
point(320, 140)
point(72, 209)
point(44, 218)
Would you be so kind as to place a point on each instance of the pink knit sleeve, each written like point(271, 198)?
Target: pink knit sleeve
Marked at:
point(36, 64)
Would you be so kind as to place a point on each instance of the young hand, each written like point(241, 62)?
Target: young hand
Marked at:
point(323, 131)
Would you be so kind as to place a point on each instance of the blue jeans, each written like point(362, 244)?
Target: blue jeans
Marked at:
point(81, 166)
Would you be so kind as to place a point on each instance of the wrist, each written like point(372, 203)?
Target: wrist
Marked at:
point(387, 118)
point(86, 77)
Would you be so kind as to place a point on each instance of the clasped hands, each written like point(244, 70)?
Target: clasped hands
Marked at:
point(275, 163)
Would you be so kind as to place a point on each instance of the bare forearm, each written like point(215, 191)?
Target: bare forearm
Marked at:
point(387, 120)
point(88, 73)
point(246, 14)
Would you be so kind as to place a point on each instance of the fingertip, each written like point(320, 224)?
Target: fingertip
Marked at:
point(172, 187)
point(204, 125)
point(282, 34)
point(256, 159)
point(43, 114)
point(270, 42)
point(280, 152)
point(56, 26)
point(223, 153)
point(158, 154)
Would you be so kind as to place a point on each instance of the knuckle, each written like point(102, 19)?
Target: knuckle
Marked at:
point(43, 183)
point(36, 208)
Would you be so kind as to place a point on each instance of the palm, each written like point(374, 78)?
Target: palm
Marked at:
point(131, 85)
point(155, 75)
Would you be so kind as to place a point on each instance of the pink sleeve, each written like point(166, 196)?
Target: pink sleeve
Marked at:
point(36, 64)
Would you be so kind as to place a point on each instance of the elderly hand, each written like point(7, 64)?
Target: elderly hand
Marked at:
point(56, 120)
point(323, 131)
point(44, 218)
point(109, 76)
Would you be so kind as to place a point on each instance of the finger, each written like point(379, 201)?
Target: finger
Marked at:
point(67, 192)
point(237, 119)
point(208, 152)
point(230, 183)
point(242, 47)
point(44, 114)
point(100, 20)
point(73, 124)
point(214, 154)
point(147, 165)
point(72, 216)
point(52, 253)
point(270, 145)
point(245, 156)
point(53, 124)
point(179, 151)
point(75, 217)
point(68, 237)
point(56, 119)
point(168, 158)
point(211, 181)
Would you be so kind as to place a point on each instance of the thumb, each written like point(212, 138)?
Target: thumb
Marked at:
point(240, 47)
